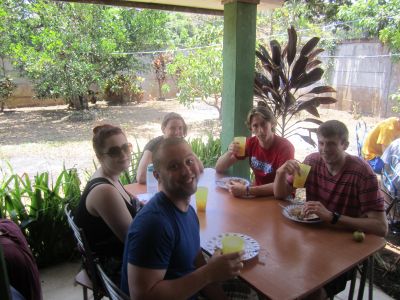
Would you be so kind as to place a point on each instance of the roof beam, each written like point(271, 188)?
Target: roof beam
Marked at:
point(124, 3)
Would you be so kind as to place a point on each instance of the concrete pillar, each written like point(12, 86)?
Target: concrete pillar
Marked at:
point(238, 73)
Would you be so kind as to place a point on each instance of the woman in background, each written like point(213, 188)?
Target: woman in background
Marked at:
point(106, 209)
point(173, 125)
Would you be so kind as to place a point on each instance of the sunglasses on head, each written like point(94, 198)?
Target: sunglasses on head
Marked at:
point(117, 151)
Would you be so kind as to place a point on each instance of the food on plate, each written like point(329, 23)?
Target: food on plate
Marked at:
point(299, 214)
point(236, 180)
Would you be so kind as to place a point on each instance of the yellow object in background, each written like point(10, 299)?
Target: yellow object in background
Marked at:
point(300, 179)
point(241, 140)
point(201, 198)
point(232, 243)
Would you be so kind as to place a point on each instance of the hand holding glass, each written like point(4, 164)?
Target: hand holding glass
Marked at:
point(241, 140)
point(300, 179)
point(232, 243)
point(201, 198)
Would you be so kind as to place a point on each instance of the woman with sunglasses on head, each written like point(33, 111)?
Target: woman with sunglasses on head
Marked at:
point(106, 209)
point(173, 125)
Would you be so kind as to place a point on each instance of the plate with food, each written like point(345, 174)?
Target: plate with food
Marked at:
point(295, 212)
point(251, 246)
point(226, 181)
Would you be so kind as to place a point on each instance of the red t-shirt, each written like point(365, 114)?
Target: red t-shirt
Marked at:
point(264, 163)
point(351, 192)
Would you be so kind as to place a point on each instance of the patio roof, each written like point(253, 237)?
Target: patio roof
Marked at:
point(213, 7)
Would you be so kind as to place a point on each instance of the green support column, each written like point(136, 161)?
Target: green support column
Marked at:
point(238, 68)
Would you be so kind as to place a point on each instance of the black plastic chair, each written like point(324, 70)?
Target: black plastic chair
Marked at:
point(361, 132)
point(88, 277)
point(390, 179)
point(113, 292)
point(4, 284)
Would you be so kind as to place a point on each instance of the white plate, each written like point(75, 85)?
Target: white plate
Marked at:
point(251, 247)
point(223, 181)
point(144, 197)
point(286, 213)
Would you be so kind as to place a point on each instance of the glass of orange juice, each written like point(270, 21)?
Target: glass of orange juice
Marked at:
point(300, 179)
point(201, 198)
point(232, 243)
point(241, 140)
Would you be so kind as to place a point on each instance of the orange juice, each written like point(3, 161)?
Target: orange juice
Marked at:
point(201, 198)
point(232, 243)
point(300, 179)
point(241, 140)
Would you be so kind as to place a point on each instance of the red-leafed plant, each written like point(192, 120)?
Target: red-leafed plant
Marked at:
point(280, 79)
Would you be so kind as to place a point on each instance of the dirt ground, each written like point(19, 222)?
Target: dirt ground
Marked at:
point(47, 138)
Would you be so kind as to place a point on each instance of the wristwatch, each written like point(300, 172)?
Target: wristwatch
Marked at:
point(247, 191)
point(335, 217)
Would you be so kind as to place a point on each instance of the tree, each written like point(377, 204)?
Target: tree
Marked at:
point(199, 71)
point(7, 87)
point(281, 78)
point(160, 68)
point(65, 48)
point(374, 18)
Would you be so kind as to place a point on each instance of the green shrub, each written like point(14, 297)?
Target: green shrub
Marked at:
point(38, 208)
point(129, 176)
point(208, 152)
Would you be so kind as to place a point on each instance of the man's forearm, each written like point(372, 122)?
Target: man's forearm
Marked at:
point(281, 188)
point(224, 162)
point(262, 190)
point(175, 289)
point(375, 226)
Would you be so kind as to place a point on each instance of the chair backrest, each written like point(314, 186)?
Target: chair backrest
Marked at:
point(4, 284)
point(391, 176)
point(88, 258)
point(114, 293)
point(361, 132)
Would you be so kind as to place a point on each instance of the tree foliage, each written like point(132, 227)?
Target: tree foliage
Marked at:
point(66, 48)
point(199, 71)
point(375, 18)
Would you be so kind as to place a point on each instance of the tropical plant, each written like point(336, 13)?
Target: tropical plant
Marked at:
point(280, 79)
point(396, 98)
point(7, 87)
point(129, 175)
point(37, 206)
point(123, 88)
point(208, 152)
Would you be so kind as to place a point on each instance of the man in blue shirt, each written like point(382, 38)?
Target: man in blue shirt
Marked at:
point(162, 257)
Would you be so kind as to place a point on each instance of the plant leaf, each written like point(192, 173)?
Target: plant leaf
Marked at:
point(307, 138)
point(312, 120)
point(313, 54)
point(292, 44)
point(313, 102)
point(309, 78)
point(289, 99)
point(312, 110)
point(309, 46)
point(265, 53)
point(299, 68)
point(322, 89)
point(276, 52)
point(312, 64)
